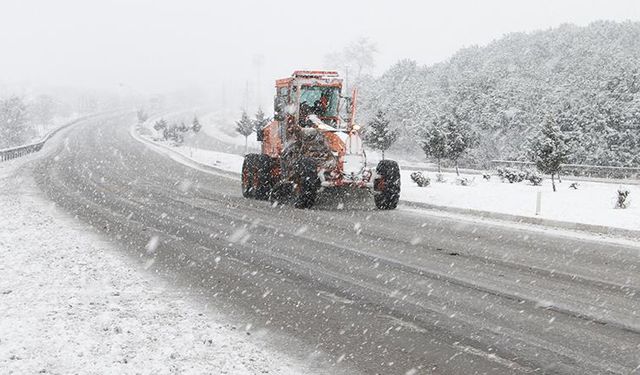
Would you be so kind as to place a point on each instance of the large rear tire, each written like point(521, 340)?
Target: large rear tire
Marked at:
point(264, 178)
point(387, 185)
point(249, 176)
point(257, 181)
point(305, 186)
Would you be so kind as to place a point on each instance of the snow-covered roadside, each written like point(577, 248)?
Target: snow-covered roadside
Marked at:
point(591, 203)
point(72, 303)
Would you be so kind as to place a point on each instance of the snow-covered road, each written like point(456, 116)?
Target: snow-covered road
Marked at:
point(71, 302)
point(384, 292)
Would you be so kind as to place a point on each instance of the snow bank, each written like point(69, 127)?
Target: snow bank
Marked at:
point(592, 203)
point(222, 160)
point(71, 303)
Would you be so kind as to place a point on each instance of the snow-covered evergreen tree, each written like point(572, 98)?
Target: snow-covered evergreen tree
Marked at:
point(183, 127)
point(160, 124)
point(549, 150)
point(260, 120)
point(379, 136)
point(459, 138)
point(245, 127)
point(195, 125)
point(434, 141)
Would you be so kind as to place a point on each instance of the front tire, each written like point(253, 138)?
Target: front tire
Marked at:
point(387, 185)
point(305, 186)
point(249, 175)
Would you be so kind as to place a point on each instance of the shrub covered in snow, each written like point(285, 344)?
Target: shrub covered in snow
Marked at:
point(574, 186)
point(623, 200)
point(534, 177)
point(486, 176)
point(514, 175)
point(511, 174)
point(465, 181)
point(420, 179)
point(440, 177)
point(174, 133)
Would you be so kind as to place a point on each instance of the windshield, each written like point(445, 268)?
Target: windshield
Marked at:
point(318, 100)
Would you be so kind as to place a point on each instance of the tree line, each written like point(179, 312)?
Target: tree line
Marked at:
point(449, 138)
point(23, 120)
point(586, 79)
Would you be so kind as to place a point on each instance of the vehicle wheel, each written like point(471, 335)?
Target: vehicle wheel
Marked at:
point(249, 175)
point(305, 183)
point(264, 179)
point(387, 185)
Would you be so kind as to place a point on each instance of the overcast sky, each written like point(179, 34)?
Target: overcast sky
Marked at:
point(155, 45)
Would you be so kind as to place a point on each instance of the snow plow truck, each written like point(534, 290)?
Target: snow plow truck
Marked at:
point(313, 144)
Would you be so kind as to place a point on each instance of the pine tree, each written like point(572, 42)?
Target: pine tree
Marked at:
point(434, 141)
point(260, 121)
point(160, 125)
point(195, 125)
point(549, 150)
point(459, 139)
point(245, 127)
point(183, 128)
point(379, 136)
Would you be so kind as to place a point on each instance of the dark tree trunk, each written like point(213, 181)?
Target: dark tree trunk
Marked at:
point(553, 182)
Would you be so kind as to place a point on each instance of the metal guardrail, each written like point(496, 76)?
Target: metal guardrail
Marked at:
point(579, 170)
point(19, 151)
point(16, 152)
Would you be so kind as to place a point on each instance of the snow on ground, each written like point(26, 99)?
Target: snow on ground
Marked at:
point(222, 160)
point(592, 203)
point(72, 303)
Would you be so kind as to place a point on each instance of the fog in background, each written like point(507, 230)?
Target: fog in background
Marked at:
point(220, 50)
